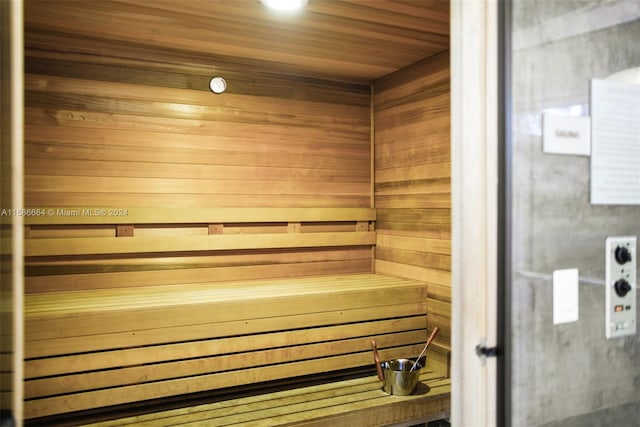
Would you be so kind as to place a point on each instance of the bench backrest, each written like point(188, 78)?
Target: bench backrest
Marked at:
point(91, 248)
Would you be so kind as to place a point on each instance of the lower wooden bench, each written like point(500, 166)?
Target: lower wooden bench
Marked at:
point(356, 402)
point(99, 348)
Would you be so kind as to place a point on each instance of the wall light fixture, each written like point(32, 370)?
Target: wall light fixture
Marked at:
point(217, 85)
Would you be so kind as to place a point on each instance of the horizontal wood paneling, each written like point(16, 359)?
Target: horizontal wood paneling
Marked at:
point(413, 182)
point(103, 132)
point(197, 187)
point(179, 200)
point(172, 217)
point(94, 135)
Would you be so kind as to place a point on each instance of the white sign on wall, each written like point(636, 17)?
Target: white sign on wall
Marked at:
point(562, 134)
point(615, 143)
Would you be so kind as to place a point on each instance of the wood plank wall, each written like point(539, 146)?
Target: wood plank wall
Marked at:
point(125, 135)
point(413, 181)
point(109, 128)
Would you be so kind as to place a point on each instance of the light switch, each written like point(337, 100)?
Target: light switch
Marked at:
point(565, 296)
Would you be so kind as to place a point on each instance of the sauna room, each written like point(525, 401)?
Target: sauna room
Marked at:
point(231, 207)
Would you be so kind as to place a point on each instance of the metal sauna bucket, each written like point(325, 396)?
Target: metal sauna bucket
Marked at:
point(399, 379)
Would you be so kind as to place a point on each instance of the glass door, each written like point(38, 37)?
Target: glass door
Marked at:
point(560, 369)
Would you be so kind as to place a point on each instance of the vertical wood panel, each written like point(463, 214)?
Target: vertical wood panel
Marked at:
point(413, 181)
point(11, 201)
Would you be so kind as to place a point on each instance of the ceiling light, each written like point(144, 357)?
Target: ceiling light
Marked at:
point(284, 5)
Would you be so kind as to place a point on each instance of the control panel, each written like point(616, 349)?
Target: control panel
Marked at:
point(621, 286)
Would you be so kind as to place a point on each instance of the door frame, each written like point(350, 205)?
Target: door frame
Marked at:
point(13, 96)
point(475, 209)
point(474, 177)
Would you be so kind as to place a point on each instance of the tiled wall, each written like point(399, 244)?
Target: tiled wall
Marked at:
point(567, 374)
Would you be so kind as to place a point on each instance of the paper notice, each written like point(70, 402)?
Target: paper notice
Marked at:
point(615, 143)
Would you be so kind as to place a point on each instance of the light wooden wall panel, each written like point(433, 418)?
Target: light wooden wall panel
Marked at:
point(108, 132)
point(108, 135)
point(413, 181)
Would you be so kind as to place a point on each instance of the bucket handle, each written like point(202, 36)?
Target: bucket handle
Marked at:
point(376, 359)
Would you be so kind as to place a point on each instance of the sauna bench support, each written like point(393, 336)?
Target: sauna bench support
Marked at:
point(104, 349)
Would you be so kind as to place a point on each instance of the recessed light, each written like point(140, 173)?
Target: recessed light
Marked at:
point(285, 5)
point(217, 85)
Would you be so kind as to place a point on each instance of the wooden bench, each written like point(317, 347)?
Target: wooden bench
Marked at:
point(354, 402)
point(100, 347)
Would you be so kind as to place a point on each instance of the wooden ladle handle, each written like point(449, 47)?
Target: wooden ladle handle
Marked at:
point(376, 359)
point(432, 336)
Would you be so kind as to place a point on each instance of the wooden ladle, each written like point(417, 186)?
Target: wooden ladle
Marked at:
point(431, 337)
point(376, 359)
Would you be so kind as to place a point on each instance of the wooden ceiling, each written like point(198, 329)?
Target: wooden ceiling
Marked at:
point(356, 40)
